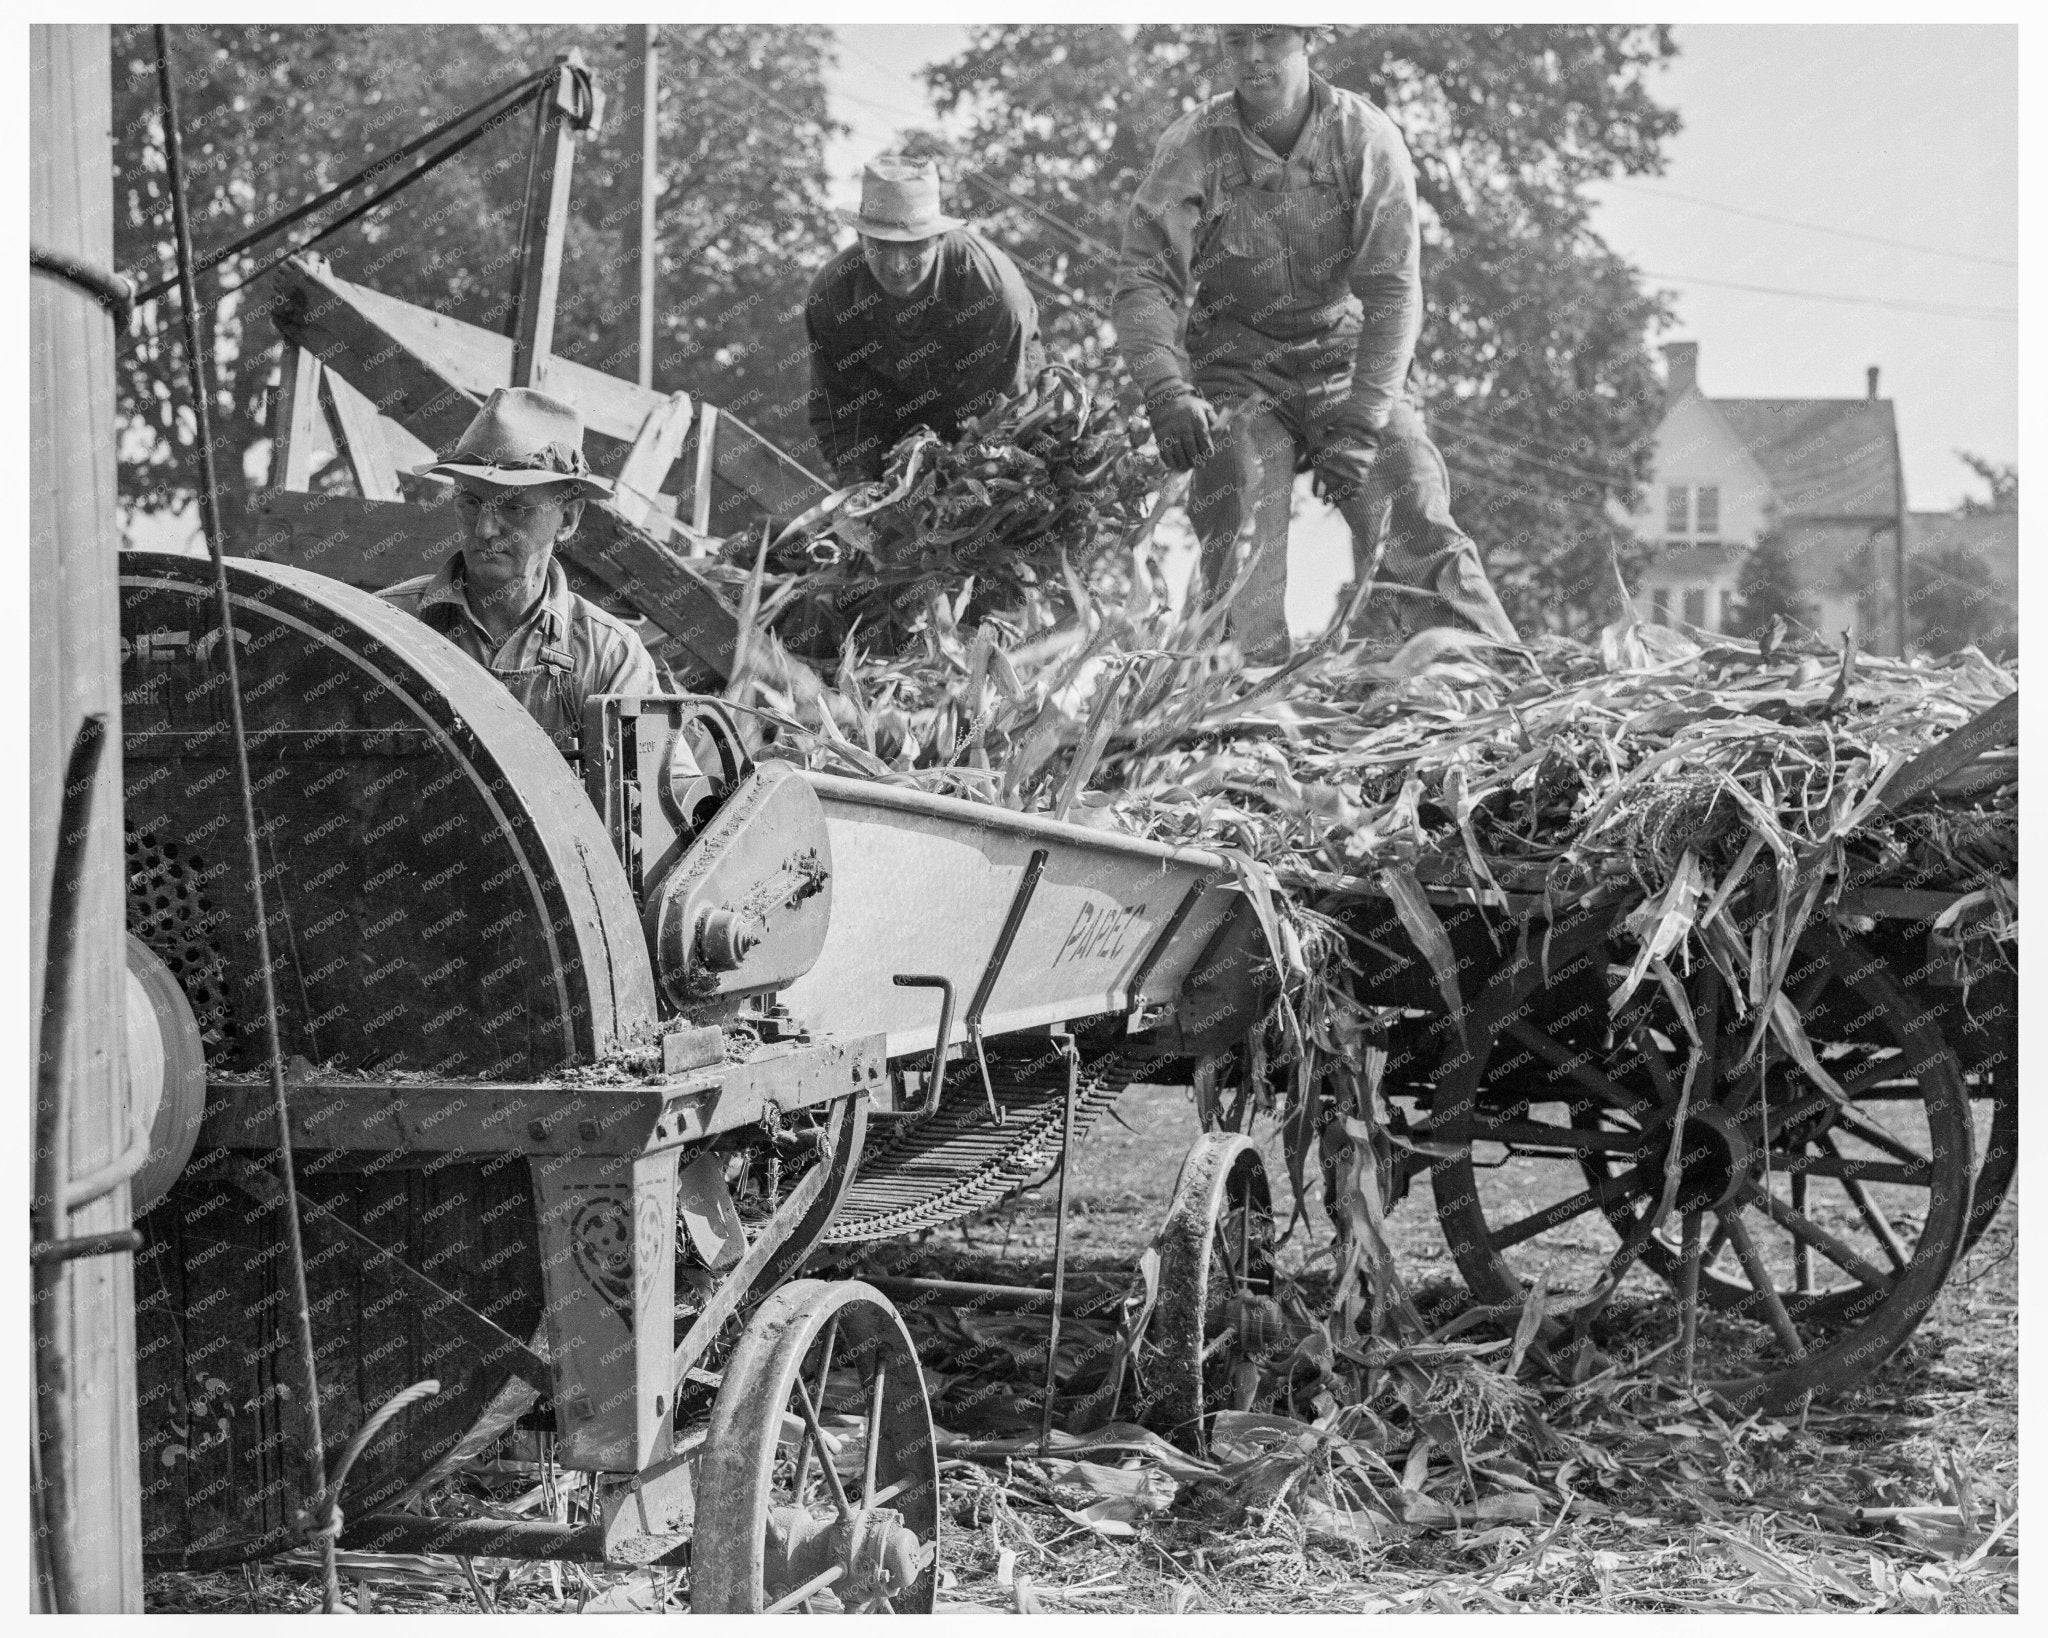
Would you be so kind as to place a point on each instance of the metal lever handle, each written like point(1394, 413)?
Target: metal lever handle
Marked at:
point(1027, 885)
point(936, 1087)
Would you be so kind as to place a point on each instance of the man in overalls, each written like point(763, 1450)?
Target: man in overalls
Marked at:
point(1282, 216)
point(520, 484)
point(920, 322)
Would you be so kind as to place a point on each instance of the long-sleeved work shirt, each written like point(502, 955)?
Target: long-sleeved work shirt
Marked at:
point(881, 366)
point(1240, 238)
point(566, 650)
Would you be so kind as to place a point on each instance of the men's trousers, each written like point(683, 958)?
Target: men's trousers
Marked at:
point(1290, 401)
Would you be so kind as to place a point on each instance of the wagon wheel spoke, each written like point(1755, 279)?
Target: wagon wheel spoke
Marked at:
point(874, 1440)
point(1876, 1068)
point(1537, 1134)
point(1659, 1070)
point(1802, 1253)
point(1689, 1295)
point(1809, 992)
point(801, 1598)
point(1877, 1137)
point(1791, 1114)
point(1575, 1067)
point(816, 1433)
point(1596, 1198)
point(1808, 1233)
point(1762, 1285)
point(1880, 1225)
point(1625, 1257)
point(1848, 1168)
point(803, 1452)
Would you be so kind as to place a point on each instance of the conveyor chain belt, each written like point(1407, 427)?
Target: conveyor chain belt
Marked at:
point(959, 1161)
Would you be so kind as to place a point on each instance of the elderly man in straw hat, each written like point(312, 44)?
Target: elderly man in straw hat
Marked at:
point(1280, 218)
point(520, 483)
point(920, 323)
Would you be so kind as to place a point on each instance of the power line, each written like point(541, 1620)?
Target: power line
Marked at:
point(1810, 227)
point(1075, 237)
point(874, 61)
point(1471, 430)
point(1995, 315)
point(1465, 410)
point(1469, 478)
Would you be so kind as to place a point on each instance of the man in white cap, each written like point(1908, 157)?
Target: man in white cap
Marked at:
point(1281, 217)
point(520, 483)
point(922, 322)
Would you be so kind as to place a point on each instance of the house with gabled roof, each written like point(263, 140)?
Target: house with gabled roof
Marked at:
point(1821, 474)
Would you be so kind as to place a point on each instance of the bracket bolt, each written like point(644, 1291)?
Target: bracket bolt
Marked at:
point(725, 937)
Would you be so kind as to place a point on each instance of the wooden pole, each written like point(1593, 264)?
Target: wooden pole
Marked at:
point(85, 1306)
point(645, 49)
point(547, 224)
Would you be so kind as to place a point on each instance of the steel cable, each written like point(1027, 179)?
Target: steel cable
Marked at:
point(488, 111)
point(209, 507)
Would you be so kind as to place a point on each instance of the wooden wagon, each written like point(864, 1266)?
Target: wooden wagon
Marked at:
point(1785, 1216)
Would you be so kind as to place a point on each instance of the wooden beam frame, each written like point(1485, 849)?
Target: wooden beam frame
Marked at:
point(295, 419)
point(430, 373)
point(360, 432)
point(546, 227)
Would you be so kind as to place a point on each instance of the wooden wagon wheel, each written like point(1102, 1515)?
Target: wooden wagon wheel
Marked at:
point(791, 1516)
point(1202, 1348)
point(1813, 1290)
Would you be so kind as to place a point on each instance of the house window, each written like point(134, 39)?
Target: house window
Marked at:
point(1695, 607)
point(1660, 605)
point(1707, 509)
point(1675, 518)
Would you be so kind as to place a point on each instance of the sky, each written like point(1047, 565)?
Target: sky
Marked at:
point(1847, 135)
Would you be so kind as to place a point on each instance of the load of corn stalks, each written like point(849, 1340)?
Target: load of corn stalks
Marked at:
point(1717, 796)
point(1017, 510)
point(1680, 778)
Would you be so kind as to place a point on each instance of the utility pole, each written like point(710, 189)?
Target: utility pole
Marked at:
point(643, 47)
point(85, 1463)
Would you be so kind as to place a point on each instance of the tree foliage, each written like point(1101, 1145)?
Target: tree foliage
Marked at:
point(2001, 485)
point(1770, 589)
point(1533, 360)
point(1958, 600)
point(274, 115)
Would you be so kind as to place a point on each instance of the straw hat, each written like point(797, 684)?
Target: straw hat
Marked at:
point(519, 439)
point(899, 200)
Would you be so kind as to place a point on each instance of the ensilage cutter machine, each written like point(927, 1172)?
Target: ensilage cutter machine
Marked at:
point(582, 1073)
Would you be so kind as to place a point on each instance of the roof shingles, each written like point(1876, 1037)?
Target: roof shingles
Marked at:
point(1824, 457)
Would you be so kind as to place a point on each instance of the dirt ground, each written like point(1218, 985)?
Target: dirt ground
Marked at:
point(1699, 1515)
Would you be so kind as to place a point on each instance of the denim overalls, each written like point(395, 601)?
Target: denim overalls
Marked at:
point(1273, 335)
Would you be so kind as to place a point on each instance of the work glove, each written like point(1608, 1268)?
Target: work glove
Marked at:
point(1185, 427)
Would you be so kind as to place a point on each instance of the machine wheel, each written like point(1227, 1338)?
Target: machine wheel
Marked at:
point(1203, 1346)
point(1816, 1233)
point(791, 1516)
point(435, 904)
